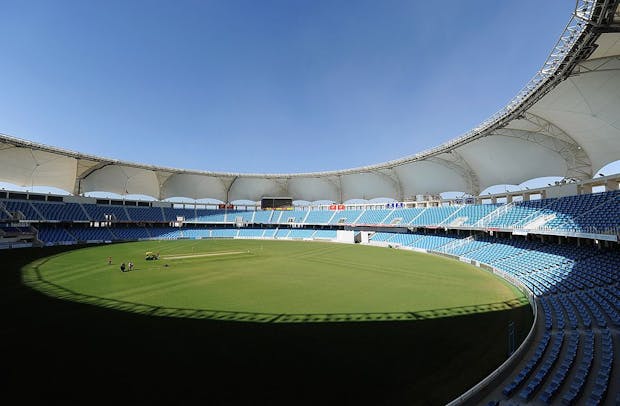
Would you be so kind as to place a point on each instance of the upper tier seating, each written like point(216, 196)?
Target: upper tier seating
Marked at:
point(519, 213)
point(471, 214)
point(22, 208)
point(98, 212)
point(173, 214)
point(244, 216)
point(61, 211)
point(262, 216)
point(293, 216)
point(568, 209)
point(145, 214)
point(345, 217)
point(403, 216)
point(373, 216)
point(319, 216)
point(434, 215)
point(589, 213)
point(603, 218)
point(275, 217)
point(210, 216)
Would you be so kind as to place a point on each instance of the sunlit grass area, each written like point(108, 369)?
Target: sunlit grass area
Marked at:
point(272, 281)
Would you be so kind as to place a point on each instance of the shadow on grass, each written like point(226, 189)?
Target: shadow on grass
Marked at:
point(64, 350)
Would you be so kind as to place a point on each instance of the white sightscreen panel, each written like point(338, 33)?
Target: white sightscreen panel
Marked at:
point(368, 186)
point(195, 187)
point(499, 160)
point(587, 107)
point(313, 189)
point(122, 180)
point(27, 167)
point(256, 188)
point(429, 178)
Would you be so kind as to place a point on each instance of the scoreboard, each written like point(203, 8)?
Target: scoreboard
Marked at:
point(277, 203)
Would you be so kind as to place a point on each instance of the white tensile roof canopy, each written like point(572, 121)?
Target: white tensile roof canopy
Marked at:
point(565, 122)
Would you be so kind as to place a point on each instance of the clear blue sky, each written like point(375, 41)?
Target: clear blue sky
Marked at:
point(264, 86)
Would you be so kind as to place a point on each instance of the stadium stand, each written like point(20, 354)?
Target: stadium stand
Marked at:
point(345, 217)
point(55, 236)
point(373, 216)
point(434, 215)
point(262, 217)
point(275, 217)
point(22, 210)
point(243, 216)
point(324, 234)
point(164, 233)
point(98, 212)
point(251, 233)
point(406, 240)
point(403, 216)
point(60, 211)
point(224, 233)
point(282, 233)
point(134, 233)
point(381, 236)
point(210, 216)
point(301, 233)
point(514, 214)
point(471, 214)
point(575, 286)
point(271, 233)
point(319, 217)
point(145, 214)
point(590, 213)
point(291, 217)
point(92, 234)
point(172, 214)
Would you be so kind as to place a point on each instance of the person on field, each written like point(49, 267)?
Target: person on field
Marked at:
point(109, 260)
point(130, 266)
point(123, 267)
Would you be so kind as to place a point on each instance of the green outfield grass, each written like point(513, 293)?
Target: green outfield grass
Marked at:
point(74, 327)
point(284, 281)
